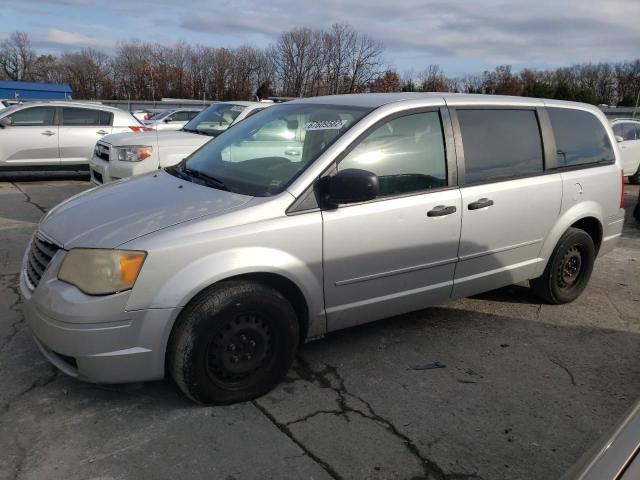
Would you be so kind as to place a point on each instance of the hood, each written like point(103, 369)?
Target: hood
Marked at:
point(111, 215)
point(163, 138)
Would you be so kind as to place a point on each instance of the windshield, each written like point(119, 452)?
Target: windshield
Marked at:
point(215, 119)
point(263, 154)
point(160, 115)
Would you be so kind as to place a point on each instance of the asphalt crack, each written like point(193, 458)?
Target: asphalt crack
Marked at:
point(431, 470)
point(14, 307)
point(560, 364)
point(28, 198)
point(41, 381)
point(285, 430)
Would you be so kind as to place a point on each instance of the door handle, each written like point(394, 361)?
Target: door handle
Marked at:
point(292, 153)
point(482, 203)
point(102, 132)
point(441, 211)
point(48, 133)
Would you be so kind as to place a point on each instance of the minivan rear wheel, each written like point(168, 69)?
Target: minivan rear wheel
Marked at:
point(568, 270)
point(233, 342)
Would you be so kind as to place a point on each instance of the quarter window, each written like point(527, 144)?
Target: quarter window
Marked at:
point(580, 137)
point(407, 154)
point(500, 144)
point(85, 117)
point(34, 117)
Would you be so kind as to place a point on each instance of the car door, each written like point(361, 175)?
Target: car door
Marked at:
point(509, 202)
point(629, 132)
point(80, 129)
point(31, 138)
point(396, 253)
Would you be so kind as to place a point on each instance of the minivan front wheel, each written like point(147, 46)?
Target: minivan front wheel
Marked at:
point(568, 270)
point(233, 342)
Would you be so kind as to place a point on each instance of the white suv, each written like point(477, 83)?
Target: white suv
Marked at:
point(121, 156)
point(627, 132)
point(57, 134)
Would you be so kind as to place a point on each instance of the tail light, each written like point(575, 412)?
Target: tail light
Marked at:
point(622, 190)
point(140, 129)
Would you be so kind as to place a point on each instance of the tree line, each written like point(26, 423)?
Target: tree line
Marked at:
point(301, 62)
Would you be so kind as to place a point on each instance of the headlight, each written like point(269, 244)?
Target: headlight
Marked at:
point(133, 153)
point(100, 271)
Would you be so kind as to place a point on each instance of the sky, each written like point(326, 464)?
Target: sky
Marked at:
point(463, 37)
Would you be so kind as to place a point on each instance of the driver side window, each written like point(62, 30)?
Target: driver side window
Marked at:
point(34, 117)
point(406, 153)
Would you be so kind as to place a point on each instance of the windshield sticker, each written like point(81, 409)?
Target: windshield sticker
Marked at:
point(325, 125)
point(237, 108)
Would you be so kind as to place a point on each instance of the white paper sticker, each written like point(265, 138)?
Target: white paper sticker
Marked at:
point(325, 125)
point(237, 108)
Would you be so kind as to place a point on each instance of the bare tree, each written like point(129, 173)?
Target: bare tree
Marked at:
point(17, 58)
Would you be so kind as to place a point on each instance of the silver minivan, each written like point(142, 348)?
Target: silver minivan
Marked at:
point(316, 215)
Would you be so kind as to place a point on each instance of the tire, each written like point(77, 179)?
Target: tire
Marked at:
point(568, 270)
point(233, 342)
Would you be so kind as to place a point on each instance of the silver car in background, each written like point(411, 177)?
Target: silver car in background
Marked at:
point(316, 215)
point(57, 134)
point(172, 119)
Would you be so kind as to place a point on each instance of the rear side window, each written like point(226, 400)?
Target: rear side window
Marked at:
point(580, 138)
point(407, 154)
point(34, 117)
point(500, 144)
point(180, 117)
point(84, 117)
point(627, 130)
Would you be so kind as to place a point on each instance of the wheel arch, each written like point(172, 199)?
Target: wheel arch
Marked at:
point(586, 216)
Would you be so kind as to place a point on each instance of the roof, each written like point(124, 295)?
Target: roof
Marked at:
point(375, 100)
point(68, 103)
point(43, 87)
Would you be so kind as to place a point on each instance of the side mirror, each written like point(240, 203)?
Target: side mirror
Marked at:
point(619, 139)
point(350, 186)
point(167, 120)
point(5, 122)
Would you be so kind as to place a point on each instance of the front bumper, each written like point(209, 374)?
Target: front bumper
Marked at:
point(103, 171)
point(94, 338)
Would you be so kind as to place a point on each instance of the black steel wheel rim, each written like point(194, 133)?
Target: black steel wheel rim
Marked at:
point(239, 349)
point(570, 269)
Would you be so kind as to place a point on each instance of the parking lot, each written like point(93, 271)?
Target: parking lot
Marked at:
point(496, 386)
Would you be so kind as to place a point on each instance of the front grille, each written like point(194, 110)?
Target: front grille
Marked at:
point(102, 151)
point(40, 254)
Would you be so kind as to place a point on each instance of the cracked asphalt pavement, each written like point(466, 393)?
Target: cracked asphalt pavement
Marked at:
point(496, 386)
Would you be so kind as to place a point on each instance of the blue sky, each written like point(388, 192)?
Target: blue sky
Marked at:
point(461, 36)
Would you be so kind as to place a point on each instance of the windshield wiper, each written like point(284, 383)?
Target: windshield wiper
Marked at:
point(204, 132)
point(176, 171)
point(206, 179)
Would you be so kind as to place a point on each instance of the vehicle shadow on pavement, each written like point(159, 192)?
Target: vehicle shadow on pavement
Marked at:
point(518, 293)
point(43, 176)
